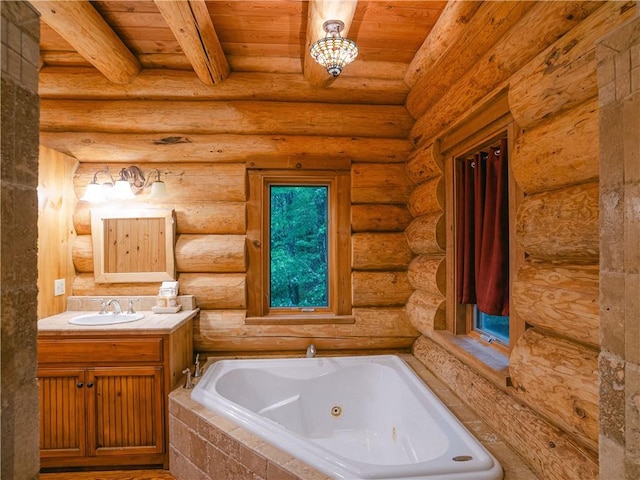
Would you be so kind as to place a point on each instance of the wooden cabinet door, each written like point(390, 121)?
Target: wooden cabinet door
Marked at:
point(62, 412)
point(124, 408)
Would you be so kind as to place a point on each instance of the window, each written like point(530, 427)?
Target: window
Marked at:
point(482, 238)
point(299, 245)
point(299, 248)
point(482, 199)
point(491, 327)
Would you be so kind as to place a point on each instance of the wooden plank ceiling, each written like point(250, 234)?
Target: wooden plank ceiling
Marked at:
point(219, 39)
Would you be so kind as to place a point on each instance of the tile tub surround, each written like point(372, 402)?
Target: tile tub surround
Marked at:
point(204, 445)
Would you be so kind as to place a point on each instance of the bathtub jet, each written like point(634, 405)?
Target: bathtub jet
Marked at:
point(351, 418)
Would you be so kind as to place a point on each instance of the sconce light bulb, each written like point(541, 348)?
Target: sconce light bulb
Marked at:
point(158, 190)
point(94, 193)
point(122, 190)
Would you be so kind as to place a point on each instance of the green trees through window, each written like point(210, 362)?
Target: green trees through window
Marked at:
point(298, 235)
point(298, 244)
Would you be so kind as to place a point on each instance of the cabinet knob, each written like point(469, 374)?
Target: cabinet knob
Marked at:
point(79, 384)
point(90, 384)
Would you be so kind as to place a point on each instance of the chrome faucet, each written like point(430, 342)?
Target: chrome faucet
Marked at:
point(131, 302)
point(103, 305)
point(311, 351)
point(117, 308)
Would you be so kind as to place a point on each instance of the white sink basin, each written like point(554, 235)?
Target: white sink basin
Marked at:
point(105, 318)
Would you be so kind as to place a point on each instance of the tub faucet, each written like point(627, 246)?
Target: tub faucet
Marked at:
point(187, 384)
point(311, 351)
point(117, 308)
point(197, 372)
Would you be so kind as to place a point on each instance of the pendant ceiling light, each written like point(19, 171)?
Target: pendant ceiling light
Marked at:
point(334, 52)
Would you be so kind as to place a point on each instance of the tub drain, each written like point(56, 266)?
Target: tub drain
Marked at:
point(462, 458)
point(336, 411)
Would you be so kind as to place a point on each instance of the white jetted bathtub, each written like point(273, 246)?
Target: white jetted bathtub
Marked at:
point(350, 417)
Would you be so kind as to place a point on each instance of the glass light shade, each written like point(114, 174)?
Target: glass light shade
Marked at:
point(122, 190)
point(334, 53)
point(107, 188)
point(158, 190)
point(94, 193)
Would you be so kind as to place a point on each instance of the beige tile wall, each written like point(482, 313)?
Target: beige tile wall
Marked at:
point(19, 147)
point(618, 57)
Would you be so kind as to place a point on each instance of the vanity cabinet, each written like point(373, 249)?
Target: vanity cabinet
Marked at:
point(103, 398)
point(62, 417)
point(100, 411)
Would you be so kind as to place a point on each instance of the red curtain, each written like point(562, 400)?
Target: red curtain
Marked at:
point(465, 241)
point(483, 231)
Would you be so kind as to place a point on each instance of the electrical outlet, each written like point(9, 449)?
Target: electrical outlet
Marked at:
point(58, 287)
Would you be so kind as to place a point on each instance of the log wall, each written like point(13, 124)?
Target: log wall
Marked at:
point(426, 237)
point(208, 191)
point(552, 94)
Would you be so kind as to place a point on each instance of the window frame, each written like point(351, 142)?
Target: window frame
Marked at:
point(460, 317)
point(339, 241)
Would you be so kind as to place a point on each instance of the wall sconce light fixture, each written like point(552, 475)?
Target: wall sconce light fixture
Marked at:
point(333, 51)
point(98, 192)
point(131, 181)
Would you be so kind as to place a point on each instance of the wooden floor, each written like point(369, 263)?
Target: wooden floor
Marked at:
point(110, 475)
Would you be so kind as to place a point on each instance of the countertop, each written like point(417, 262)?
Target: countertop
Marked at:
point(158, 323)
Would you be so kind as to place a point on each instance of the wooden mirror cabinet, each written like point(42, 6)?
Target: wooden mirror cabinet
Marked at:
point(133, 245)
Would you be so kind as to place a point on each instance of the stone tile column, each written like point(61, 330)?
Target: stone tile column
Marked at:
point(20, 33)
point(618, 56)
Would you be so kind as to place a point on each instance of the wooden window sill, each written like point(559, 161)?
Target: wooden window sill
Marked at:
point(301, 319)
point(489, 361)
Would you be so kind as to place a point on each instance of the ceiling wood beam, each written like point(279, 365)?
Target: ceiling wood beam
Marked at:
point(191, 24)
point(319, 12)
point(87, 32)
